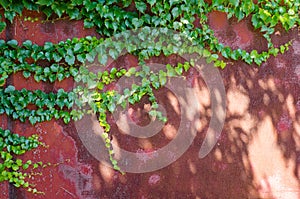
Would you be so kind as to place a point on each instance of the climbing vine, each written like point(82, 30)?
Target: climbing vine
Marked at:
point(16, 170)
point(70, 59)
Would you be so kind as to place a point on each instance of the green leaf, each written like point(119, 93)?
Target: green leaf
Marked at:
point(56, 57)
point(13, 43)
point(151, 2)
point(90, 57)
point(81, 58)
point(103, 59)
point(9, 89)
point(113, 53)
point(186, 66)
point(25, 166)
point(48, 46)
point(26, 74)
point(137, 22)
point(111, 107)
point(206, 53)
point(19, 162)
point(179, 69)
point(45, 2)
point(255, 21)
point(162, 77)
point(32, 120)
point(170, 71)
point(77, 47)
point(2, 81)
point(74, 71)
point(140, 6)
point(175, 12)
point(15, 167)
point(10, 15)
point(282, 49)
point(88, 24)
point(2, 26)
point(70, 59)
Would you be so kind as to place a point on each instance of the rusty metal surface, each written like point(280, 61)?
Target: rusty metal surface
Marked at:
point(257, 155)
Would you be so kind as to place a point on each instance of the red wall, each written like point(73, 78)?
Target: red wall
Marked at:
point(243, 164)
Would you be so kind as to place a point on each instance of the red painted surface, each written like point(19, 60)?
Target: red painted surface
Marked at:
point(227, 172)
point(218, 20)
point(4, 187)
point(19, 82)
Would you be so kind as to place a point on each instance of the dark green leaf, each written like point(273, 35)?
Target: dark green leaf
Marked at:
point(140, 6)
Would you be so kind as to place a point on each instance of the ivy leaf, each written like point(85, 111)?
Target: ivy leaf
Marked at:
point(137, 22)
point(235, 3)
point(26, 74)
point(88, 24)
point(73, 13)
point(60, 76)
point(2, 81)
point(113, 53)
point(48, 46)
point(162, 77)
point(27, 44)
point(175, 12)
point(170, 71)
point(56, 57)
point(15, 167)
point(58, 8)
point(81, 57)
point(77, 47)
point(70, 59)
point(151, 2)
point(282, 49)
point(2, 26)
point(73, 71)
point(206, 53)
point(32, 120)
point(45, 2)
point(10, 15)
point(102, 59)
point(186, 66)
point(111, 107)
point(226, 52)
point(179, 69)
point(9, 89)
point(47, 11)
point(255, 21)
point(13, 43)
point(25, 166)
point(19, 162)
point(140, 6)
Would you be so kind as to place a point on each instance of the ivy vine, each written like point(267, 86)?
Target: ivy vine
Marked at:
point(16, 171)
point(68, 59)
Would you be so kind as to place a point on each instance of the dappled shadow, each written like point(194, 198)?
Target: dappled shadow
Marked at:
point(257, 154)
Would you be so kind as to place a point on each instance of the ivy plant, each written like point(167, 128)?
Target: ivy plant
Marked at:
point(53, 62)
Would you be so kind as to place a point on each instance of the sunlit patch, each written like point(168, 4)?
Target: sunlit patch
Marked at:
point(169, 131)
point(218, 154)
point(192, 167)
point(272, 171)
point(238, 102)
point(174, 102)
point(145, 143)
point(266, 99)
point(107, 173)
